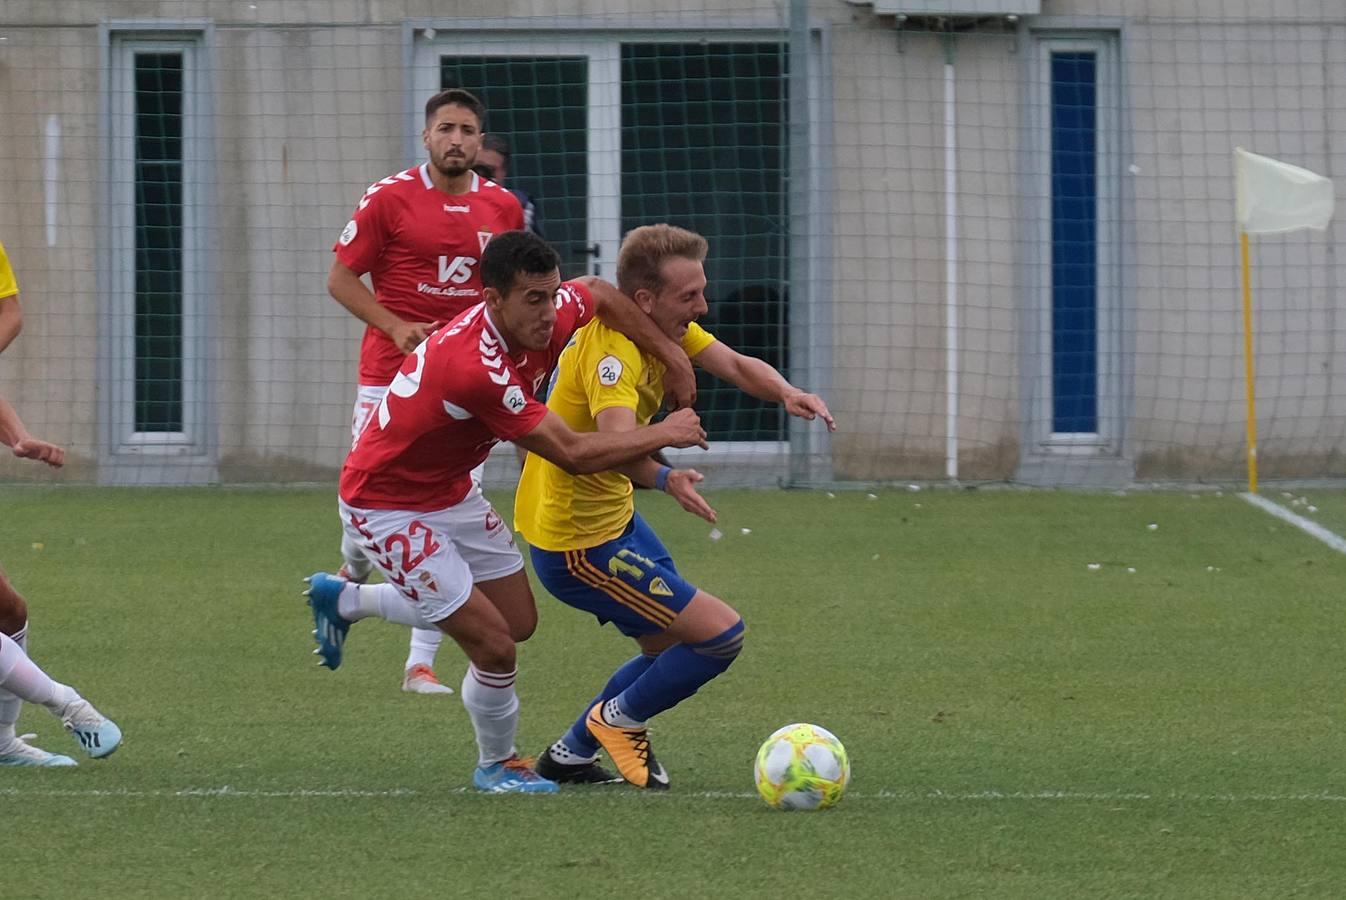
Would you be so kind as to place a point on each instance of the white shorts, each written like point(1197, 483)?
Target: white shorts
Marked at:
point(367, 400)
point(434, 558)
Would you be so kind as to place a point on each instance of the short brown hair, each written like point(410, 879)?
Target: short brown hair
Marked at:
point(514, 253)
point(645, 250)
point(456, 97)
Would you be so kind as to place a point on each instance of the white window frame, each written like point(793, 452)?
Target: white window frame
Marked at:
point(123, 447)
point(1107, 440)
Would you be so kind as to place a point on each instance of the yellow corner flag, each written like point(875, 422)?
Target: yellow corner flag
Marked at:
point(1275, 197)
point(1271, 197)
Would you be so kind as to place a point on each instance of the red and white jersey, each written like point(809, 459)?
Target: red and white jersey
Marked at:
point(422, 248)
point(459, 393)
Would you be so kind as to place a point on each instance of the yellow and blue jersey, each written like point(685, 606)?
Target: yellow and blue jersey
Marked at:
point(600, 369)
point(9, 285)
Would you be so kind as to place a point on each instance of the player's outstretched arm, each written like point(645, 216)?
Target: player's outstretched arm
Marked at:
point(620, 313)
point(585, 453)
point(761, 380)
point(14, 435)
point(680, 484)
point(347, 289)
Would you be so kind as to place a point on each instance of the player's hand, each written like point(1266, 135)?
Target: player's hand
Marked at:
point(42, 451)
point(681, 486)
point(683, 429)
point(809, 406)
point(408, 335)
point(680, 384)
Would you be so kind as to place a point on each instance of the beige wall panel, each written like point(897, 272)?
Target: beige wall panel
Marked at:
point(47, 82)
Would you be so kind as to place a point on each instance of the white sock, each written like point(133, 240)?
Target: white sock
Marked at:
point(567, 757)
point(424, 645)
point(349, 605)
point(21, 676)
point(494, 709)
point(10, 704)
point(613, 715)
point(353, 558)
point(379, 601)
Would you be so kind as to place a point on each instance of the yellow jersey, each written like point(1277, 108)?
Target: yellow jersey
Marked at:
point(9, 285)
point(600, 369)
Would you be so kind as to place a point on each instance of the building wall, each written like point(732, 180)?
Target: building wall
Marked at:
point(308, 108)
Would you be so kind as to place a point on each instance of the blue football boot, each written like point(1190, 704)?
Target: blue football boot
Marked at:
point(18, 752)
point(96, 733)
point(329, 628)
point(512, 776)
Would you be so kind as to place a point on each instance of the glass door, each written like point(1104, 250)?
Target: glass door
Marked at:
point(557, 105)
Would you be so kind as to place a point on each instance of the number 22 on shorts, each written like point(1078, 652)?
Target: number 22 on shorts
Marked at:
point(416, 529)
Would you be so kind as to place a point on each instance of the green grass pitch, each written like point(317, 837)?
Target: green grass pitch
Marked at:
point(1019, 723)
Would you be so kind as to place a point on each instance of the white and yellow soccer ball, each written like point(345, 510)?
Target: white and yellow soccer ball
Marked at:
point(802, 767)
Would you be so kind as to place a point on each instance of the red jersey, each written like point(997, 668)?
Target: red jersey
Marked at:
point(457, 394)
point(422, 248)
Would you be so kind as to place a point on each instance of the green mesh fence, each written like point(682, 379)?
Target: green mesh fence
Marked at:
point(997, 237)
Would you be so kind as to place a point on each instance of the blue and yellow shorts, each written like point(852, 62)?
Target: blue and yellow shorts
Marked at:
point(630, 581)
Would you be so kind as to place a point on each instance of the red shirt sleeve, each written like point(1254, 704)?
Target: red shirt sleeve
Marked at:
point(499, 400)
point(515, 216)
point(362, 240)
point(574, 310)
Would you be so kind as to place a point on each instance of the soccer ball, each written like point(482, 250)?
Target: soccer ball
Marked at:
point(802, 767)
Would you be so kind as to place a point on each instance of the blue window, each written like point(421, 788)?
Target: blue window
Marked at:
point(158, 247)
point(1074, 242)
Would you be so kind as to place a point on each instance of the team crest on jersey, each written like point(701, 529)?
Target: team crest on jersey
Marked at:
point(514, 399)
point(492, 520)
point(428, 580)
point(609, 370)
point(660, 587)
point(483, 237)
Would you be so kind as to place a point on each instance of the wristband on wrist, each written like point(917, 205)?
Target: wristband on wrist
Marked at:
point(661, 478)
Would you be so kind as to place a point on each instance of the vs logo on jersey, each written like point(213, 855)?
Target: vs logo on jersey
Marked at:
point(457, 270)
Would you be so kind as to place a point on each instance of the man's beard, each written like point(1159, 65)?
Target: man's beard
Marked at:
point(453, 165)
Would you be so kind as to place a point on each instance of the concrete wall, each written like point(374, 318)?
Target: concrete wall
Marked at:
point(308, 99)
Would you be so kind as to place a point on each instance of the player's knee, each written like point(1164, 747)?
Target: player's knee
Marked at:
point(724, 648)
point(522, 629)
point(13, 609)
point(494, 652)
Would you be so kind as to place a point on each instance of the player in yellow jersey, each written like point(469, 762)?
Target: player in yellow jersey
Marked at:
point(11, 315)
point(20, 677)
point(589, 546)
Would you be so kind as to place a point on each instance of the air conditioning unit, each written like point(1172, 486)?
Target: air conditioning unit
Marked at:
point(952, 7)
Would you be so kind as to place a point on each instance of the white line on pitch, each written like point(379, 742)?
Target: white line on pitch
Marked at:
point(1308, 526)
point(906, 796)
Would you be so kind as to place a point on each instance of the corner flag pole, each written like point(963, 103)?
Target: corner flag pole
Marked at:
point(1248, 363)
point(1271, 197)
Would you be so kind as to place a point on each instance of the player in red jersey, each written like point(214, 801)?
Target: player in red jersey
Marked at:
point(409, 502)
point(419, 235)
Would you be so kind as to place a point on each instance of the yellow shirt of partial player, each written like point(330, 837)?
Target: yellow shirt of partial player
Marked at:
point(600, 369)
point(9, 285)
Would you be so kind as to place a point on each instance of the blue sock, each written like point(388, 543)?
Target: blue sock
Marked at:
point(679, 672)
point(578, 740)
